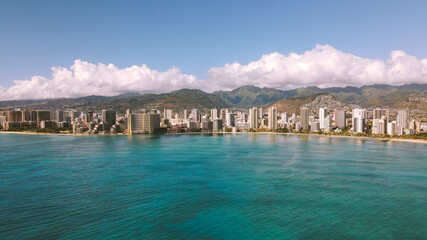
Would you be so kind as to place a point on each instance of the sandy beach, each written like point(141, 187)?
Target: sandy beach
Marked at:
point(303, 134)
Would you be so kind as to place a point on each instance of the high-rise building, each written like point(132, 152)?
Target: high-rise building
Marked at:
point(29, 116)
point(214, 113)
point(230, 120)
point(359, 120)
point(88, 117)
point(253, 118)
point(322, 114)
point(379, 113)
point(143, 123)
point(206, 125)
point(379, 126)
point(327, 124)
point(298, 126)
point(59, 116)
point(272, 118)
point(2, 121)
point(261, 113)
point(196, 115)
point(71, 116)
point(391, 128)
point(185, 114)
point(13, 116)
point(109, 117)
point(304, 117)
point(314, 126)
point(284, 117)
point(403, 117)
point(217, 125)
point(223, 114)
point(42, 116)
point(167, 113)
point(340, 120)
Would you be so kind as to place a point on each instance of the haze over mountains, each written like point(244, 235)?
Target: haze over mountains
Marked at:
point(410, 95)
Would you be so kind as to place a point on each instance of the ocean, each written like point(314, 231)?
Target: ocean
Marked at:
point(208, 186)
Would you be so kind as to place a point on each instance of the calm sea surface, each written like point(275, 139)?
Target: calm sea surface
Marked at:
point(242, 186)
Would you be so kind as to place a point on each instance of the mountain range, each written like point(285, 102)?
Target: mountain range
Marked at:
point(412, 96)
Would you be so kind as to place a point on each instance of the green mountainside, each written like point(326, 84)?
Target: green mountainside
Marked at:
point(366, 96)
point(413, 95)
point(178, 100)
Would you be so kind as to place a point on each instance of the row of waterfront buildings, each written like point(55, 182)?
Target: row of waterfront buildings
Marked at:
point(376, 121)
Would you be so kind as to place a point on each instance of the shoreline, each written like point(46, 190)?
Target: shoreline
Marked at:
point(408, 140)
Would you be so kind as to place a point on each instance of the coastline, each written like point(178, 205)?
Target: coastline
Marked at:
point(408, 140)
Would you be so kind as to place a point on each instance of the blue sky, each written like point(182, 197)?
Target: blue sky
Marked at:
point(198, 35)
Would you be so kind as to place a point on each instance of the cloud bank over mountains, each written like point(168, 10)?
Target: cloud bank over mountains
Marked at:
point(84, 79)
point(322, 66)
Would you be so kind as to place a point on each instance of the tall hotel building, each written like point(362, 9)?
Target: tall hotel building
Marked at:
point(253, 118)
point(272, 118)
point(403, 119)
point(167, 113)
point(29, 116)
point(379, 113)
point(322, 114)
point(196, 115)
point(359, 120)
point(340, 120)
point(230, 121)
point(214, 113)
point(42, 116)
point(223, 114)
point(13, 116)
point(304, 115)
point(108, 117)
point(143, 123)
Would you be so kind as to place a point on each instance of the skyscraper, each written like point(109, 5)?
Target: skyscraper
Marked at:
point(13, 116)
point(196, 115)
point(167, 113)
point(108, 117)
point(403, 118)
point(391, 128)
point(214, 113)
point(59, 116)
point(29, 116)
point(378, 113)
point(231, 120)
point(217, 125)
point(42, 116)
point(322, 114)
point(284, 117)
point(340, 120)
point(327, 124)
point(253, 118)
point(272, 118)
point(379, 126)
point(304, 115)
point(143, 123)
point(224, 113)
point(359, 120)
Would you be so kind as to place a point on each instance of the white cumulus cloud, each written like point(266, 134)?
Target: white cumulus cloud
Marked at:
point(84, 78)
point(323, 66)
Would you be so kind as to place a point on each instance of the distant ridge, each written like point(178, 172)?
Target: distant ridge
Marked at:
point(379, 95)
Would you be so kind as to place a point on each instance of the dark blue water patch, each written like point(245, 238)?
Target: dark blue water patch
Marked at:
point(244, 186)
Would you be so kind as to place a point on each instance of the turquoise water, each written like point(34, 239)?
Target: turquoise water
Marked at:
point(240, 186)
